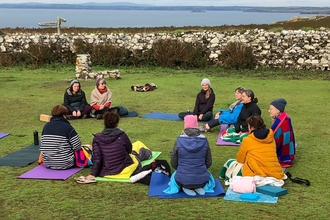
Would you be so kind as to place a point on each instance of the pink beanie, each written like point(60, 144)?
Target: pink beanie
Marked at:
point(190, 121)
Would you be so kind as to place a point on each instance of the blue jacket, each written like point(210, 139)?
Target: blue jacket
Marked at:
point(193, 157)
point(230, 117)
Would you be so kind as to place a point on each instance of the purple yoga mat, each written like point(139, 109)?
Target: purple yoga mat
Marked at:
point(222, 142)
point(3, 134)
point(41, 172)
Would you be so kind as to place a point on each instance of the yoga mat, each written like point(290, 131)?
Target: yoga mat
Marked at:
point(162, 116)
point(221, 142)
point(155, 154)
point(130, 114)
point(3, 134)
point(22, 157)
point(41, 172)
point(233, 196)
point(159, 182)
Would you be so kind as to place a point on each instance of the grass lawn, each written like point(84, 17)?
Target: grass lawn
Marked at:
point(25, 94)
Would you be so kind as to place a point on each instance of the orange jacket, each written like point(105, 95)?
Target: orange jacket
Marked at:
point(259, 155)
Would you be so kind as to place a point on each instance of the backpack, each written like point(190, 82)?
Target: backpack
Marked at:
point(83, 157)
point(121, 110)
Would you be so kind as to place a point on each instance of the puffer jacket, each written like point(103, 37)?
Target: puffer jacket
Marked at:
point(258, 155)
point(111, 149)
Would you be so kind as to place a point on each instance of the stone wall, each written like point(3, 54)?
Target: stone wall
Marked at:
point(286, 49)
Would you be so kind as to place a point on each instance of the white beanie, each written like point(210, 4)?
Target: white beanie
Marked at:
point(206, 81)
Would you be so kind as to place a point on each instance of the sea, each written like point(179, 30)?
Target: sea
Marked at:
point(30, 18)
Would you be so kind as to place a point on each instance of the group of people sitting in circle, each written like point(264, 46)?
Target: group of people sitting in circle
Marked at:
point(262, 152)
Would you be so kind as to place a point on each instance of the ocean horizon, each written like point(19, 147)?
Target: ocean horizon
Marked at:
point(29, 18)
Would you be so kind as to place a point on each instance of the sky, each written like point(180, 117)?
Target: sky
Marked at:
point(278, 3)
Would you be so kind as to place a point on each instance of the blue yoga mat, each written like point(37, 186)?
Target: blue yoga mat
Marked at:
point(263, 198)
point(162, 116)
point(159, 182)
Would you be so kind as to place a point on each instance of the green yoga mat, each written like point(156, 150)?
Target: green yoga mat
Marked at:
point(155, 154)
point(22, 157)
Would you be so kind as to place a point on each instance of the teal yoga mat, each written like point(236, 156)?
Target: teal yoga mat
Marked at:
point(22, 157)
point(263, 198)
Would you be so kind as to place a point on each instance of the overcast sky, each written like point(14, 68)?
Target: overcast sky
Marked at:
point(314, 3)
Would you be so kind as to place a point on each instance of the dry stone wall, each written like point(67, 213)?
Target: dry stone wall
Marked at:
point(286, 49)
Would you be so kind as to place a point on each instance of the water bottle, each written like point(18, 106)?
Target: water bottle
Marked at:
point(36, 137)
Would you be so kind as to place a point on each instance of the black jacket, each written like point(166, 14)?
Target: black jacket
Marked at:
point(202, 104)
point(247, 111)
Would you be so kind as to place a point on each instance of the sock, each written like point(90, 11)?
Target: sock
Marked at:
point(189, 192)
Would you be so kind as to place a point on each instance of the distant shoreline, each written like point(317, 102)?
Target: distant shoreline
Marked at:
point(130, 6)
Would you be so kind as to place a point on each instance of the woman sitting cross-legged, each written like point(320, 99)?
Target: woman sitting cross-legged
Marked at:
point(191, 157)
point(75, 101)
point(283, 133)
point(256, 155)
point(205, 99)
point(113, 152)
point(228, 116)
point(100, 98)
point(59, 141)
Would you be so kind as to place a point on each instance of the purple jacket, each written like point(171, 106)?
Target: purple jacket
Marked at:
point(111, 150)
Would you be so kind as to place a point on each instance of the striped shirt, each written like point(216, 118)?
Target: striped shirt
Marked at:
point(59, 140)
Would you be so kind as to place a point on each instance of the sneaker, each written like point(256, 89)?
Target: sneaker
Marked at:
point(200, 191)
point(189, 192)
point(84, 116)
point(99, 116)
point(92, 114)
point(203, 129)
point(139, 176)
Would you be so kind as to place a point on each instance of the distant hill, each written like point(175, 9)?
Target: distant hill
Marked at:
point(116, 4)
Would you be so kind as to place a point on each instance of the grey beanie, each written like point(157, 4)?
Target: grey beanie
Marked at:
point(73, 82)
point(279, 104)
point(206, 81)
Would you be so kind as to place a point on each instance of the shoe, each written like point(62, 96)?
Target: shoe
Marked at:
point(139, 176)
point(203, 129)
point(92, 114)
point(99, 116)
point(189, 192)
point(84, 116)
point(200, 191)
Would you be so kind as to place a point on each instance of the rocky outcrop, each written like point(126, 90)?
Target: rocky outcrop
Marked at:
point(286, 49)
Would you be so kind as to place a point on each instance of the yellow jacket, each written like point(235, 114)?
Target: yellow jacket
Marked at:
point(257, 153)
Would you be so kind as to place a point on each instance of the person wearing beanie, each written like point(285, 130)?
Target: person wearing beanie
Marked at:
point(226, 116)
point(75, 101)
point(101, 98)
point(191, 157)
point(249, 109)
point(256, 155)
point(205, 99)
point(283, 130)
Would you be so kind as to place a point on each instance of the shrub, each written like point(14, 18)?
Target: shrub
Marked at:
point(108, 54)
point(174, 53)
point(6, 59)
point(238, 56)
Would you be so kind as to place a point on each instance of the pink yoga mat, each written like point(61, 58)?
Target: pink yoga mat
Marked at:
point(41, 172)
point(222, 142)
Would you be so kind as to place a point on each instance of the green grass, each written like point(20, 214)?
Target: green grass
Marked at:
point(25, 94)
